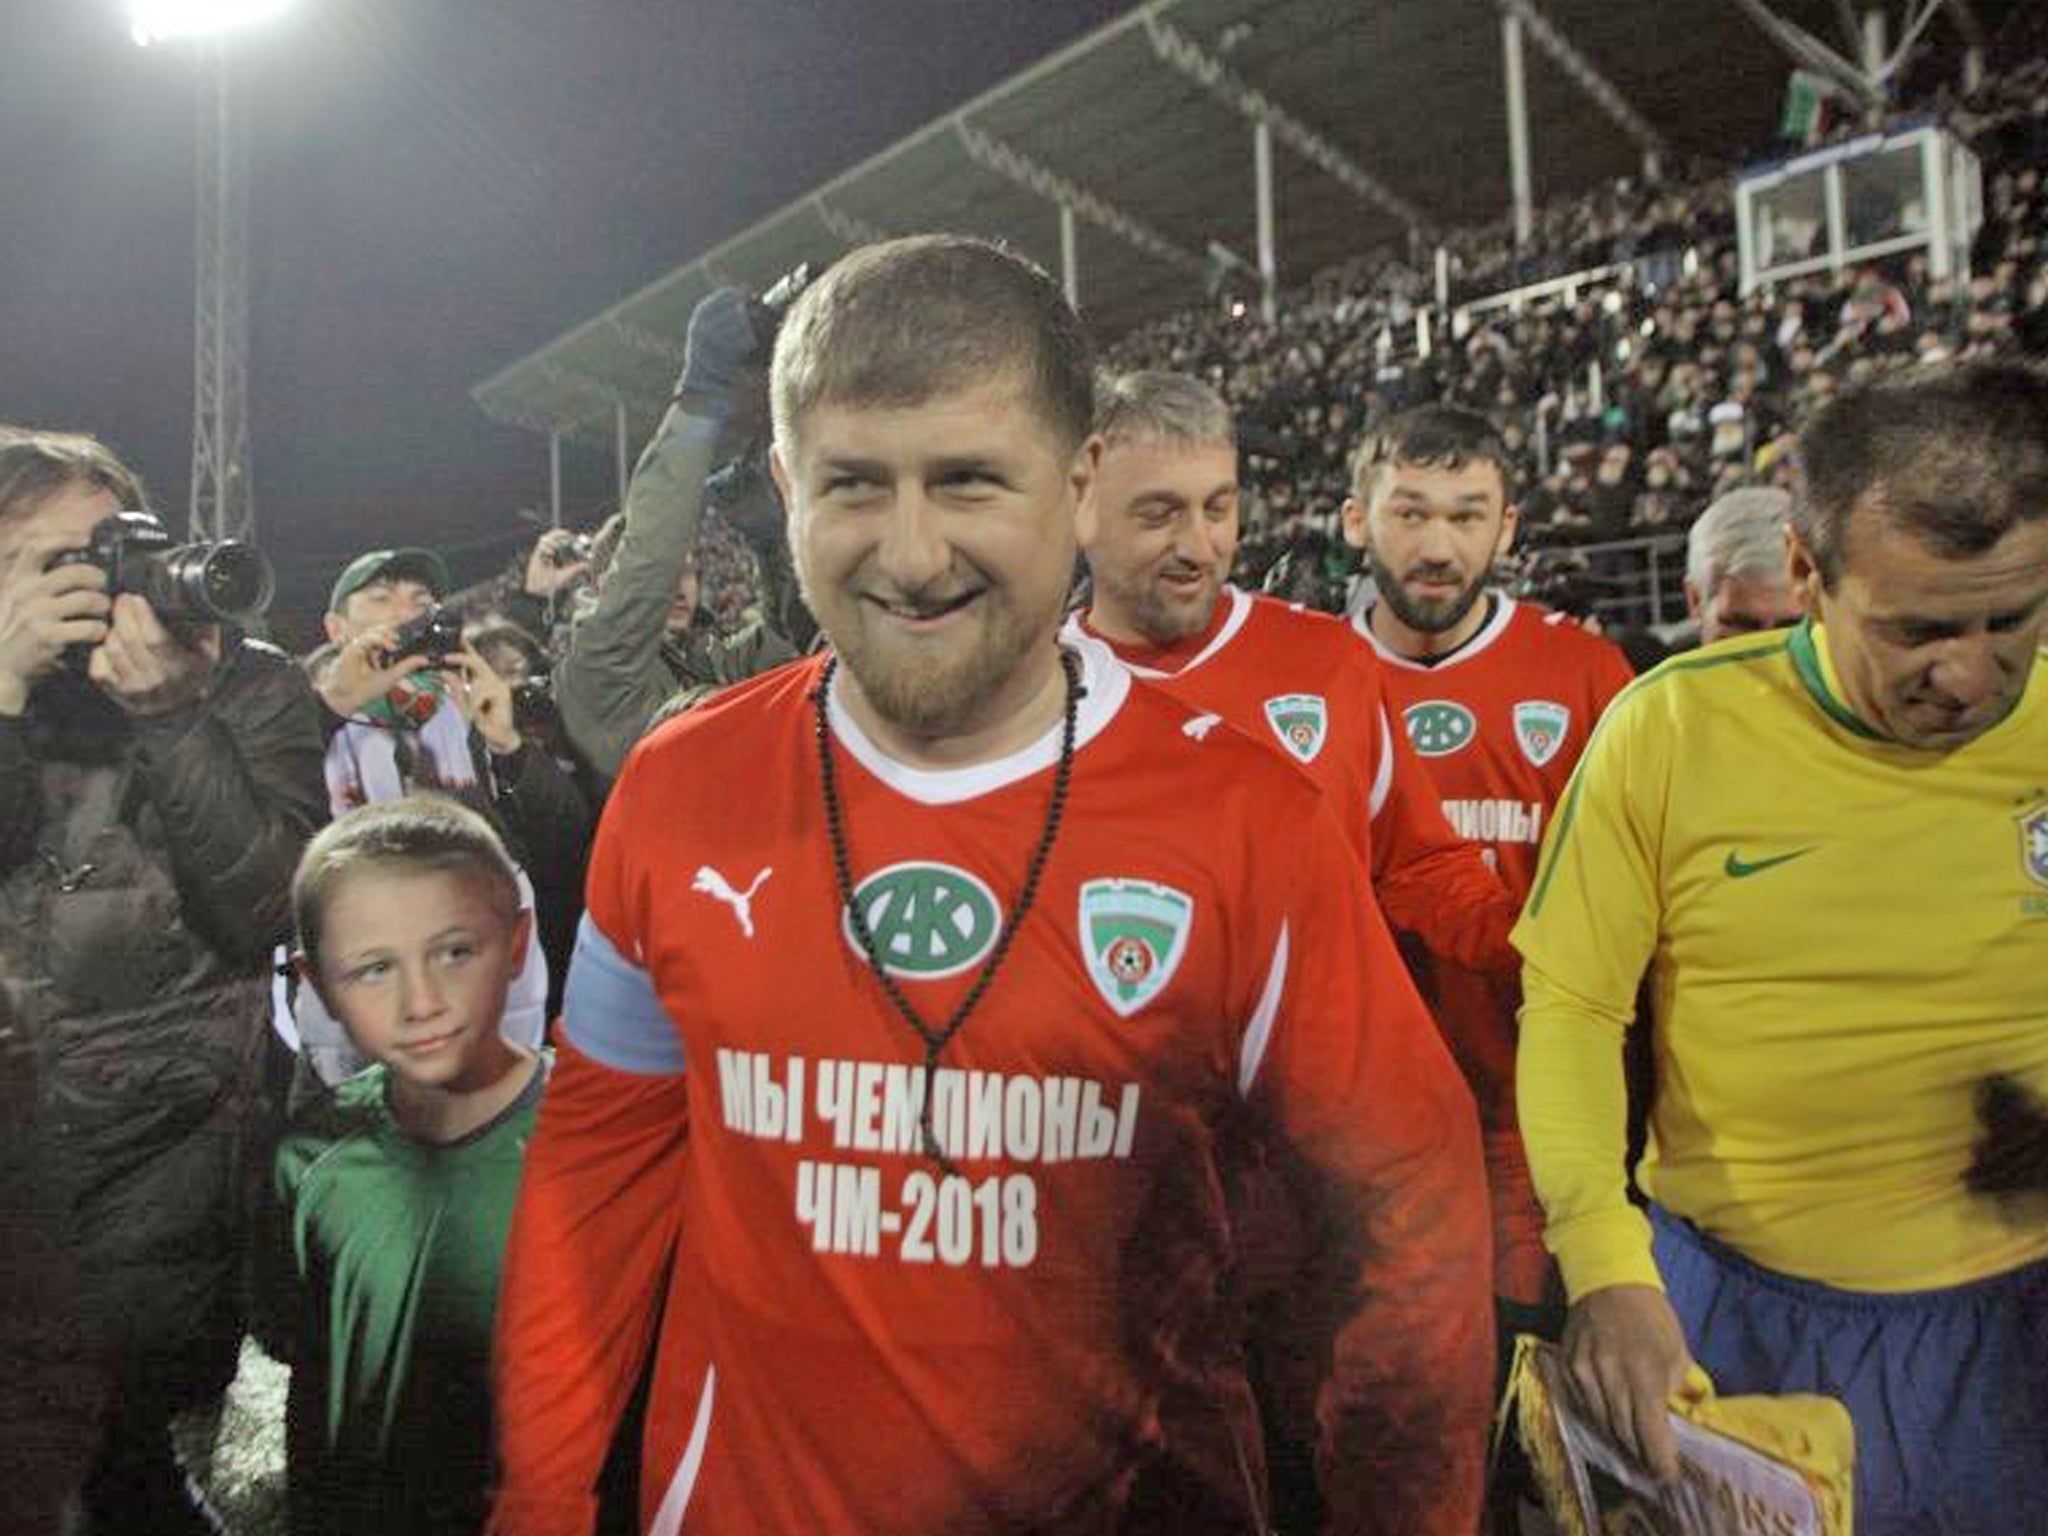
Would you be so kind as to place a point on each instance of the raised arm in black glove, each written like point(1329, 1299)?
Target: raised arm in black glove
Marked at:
point(728, 333)
point(615, 673)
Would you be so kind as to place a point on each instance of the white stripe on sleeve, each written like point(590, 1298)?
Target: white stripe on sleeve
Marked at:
point(1260, 1032)
point(611, 1012)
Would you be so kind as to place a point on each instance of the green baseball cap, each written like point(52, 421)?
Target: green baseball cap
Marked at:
point(421, 565)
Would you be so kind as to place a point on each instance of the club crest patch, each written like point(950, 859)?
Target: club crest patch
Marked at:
point(1133, 933)
point(1540, 729)
point(2033, 825)
point(1301, 721)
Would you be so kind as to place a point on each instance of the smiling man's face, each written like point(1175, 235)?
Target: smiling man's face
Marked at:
point(1160, 537)
point(935, 545)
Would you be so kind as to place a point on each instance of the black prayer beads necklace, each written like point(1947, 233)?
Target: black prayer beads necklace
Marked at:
point(936, 1040)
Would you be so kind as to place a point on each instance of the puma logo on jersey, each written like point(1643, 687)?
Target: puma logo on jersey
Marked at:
point(718, 888)
point(1198, 729)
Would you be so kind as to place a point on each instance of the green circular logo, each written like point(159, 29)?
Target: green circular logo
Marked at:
point(1438, 727)
point(928, 920)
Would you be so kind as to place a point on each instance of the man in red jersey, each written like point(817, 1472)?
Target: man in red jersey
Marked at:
point(1160, 536)
point(929, 992)
point(1498, 698)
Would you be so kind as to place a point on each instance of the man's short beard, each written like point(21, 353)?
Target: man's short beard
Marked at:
point(1427, 618)
point(924, 696)
point(934, 702)
point(1142, 607)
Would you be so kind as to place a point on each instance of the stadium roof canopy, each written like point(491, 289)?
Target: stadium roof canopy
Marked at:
point(1120, 159)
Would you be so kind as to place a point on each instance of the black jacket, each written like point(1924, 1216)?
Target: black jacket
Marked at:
point(145, 872)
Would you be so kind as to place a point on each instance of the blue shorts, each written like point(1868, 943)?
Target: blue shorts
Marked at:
point(1948, 1389)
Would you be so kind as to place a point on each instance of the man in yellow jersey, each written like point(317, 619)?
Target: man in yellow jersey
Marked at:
point(1829, 847)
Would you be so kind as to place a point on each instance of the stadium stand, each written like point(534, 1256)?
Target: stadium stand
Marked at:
point(1613, 343)
point(1698, 389)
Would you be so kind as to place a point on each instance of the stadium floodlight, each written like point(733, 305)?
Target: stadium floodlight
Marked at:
point(223, 504)
point(158, 21)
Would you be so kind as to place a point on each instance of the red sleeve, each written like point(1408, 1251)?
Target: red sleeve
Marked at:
point(1611, 673)
point(1431, 882)
point(590, 1245)
point(1381, 1133)
point(597, 1218)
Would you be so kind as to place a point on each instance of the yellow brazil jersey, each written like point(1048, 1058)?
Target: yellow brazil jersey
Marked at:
point(1843, 935)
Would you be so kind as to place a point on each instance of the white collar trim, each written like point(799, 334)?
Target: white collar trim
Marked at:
point(1503, 615)
point(1240, 610)
point(1105, 684)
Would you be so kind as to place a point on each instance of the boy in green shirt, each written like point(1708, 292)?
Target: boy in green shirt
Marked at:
point(393, 1197)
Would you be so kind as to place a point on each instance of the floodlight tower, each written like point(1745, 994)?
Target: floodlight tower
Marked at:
point(223, 503)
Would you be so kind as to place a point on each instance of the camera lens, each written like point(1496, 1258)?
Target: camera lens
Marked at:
point(236, 580)
point(229, 581)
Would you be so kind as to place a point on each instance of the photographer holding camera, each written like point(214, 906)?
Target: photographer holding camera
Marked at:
point(412, 705)
point(627, 653)
point(553, 575)
point(159, 775)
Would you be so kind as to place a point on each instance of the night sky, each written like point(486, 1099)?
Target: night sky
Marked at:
point(437, 187)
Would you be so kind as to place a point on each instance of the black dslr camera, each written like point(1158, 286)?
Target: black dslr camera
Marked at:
point(186, 585)
point(435, 634)
point(573, 550)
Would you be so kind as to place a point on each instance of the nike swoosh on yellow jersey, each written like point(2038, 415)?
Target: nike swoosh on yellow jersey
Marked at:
point(1739, 870)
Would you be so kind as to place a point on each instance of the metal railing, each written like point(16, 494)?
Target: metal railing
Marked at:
point(1634, 583)
point(1440, 321)
point(1565, 289)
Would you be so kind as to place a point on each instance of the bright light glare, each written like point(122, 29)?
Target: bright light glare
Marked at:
point(157, 21)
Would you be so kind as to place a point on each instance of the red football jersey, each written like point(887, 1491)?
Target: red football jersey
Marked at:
point(1499, 724)
point(857, 1337)
point(1300, 682)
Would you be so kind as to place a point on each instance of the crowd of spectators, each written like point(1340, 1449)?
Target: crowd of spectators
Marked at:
point(729, 583)
point(1698, 388)
point(1654, 388)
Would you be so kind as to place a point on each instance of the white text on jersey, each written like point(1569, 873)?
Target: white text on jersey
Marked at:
point(878, 1106)
point(1496, 821)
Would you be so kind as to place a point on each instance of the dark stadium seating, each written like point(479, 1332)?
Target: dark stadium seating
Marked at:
point(1698, 389)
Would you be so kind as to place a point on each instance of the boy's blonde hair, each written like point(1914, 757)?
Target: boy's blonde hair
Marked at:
point(421, 833)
